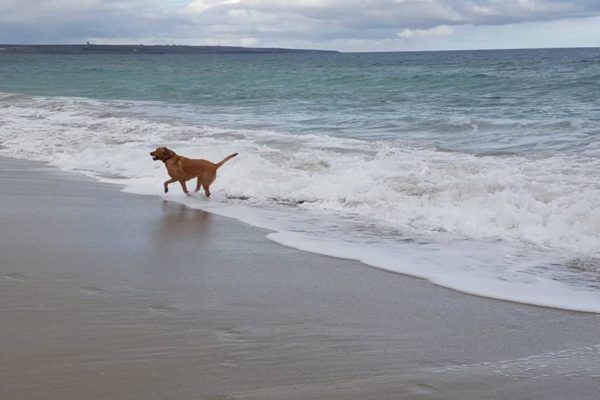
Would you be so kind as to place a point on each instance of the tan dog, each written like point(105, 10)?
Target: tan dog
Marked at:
point(182, 169)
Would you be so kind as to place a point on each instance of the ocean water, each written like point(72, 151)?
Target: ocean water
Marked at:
point(479, 171)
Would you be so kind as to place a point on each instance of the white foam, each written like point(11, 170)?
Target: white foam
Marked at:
point(498, 226)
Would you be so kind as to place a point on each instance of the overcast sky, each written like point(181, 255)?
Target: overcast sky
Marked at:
point(346, 25)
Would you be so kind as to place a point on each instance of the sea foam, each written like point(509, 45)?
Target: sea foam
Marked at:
point(514, 227)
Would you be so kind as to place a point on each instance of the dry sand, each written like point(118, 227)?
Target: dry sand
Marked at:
point(106, 295)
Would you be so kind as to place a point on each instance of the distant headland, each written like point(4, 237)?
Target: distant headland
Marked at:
point(144, 49)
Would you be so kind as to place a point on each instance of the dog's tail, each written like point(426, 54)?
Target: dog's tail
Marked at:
point(223, 161)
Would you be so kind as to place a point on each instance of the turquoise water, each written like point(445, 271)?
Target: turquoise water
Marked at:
point(483, 101)
point(476, 170)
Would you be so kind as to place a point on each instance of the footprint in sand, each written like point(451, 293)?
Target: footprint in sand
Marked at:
point(421, 388)
point(93, 290)
point(220, 397)
point(17, 277)
point(230, 334)
point(162, 309)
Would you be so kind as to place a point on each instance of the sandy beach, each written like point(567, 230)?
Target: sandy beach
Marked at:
point(107, 295)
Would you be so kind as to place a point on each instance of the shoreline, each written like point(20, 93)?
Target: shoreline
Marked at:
point(544, 294)
point(279, 237)
point(112, 295)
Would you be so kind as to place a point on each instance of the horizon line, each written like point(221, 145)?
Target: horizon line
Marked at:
point(299, 49)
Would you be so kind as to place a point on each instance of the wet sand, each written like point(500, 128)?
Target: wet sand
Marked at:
point(107, 295)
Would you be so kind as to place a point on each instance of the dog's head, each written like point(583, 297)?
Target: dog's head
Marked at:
point(162, 154)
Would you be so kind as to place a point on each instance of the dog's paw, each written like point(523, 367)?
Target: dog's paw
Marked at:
point(166, 190)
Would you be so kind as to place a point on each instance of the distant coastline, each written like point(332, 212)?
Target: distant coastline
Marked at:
point(144, 49)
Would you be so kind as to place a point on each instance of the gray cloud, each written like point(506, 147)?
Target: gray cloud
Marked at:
point(266, 22)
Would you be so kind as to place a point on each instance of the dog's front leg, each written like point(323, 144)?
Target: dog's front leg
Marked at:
point(184, 187)
point(166, 184)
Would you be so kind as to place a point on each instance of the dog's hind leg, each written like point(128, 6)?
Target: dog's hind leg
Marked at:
point(166, 184)
point(198, 183)
point(206, 189)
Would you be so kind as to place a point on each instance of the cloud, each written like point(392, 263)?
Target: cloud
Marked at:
point(440, 30)
point(412, 13)
point(315, 23)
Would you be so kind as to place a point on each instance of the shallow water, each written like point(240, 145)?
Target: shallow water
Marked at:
point(476, 170)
